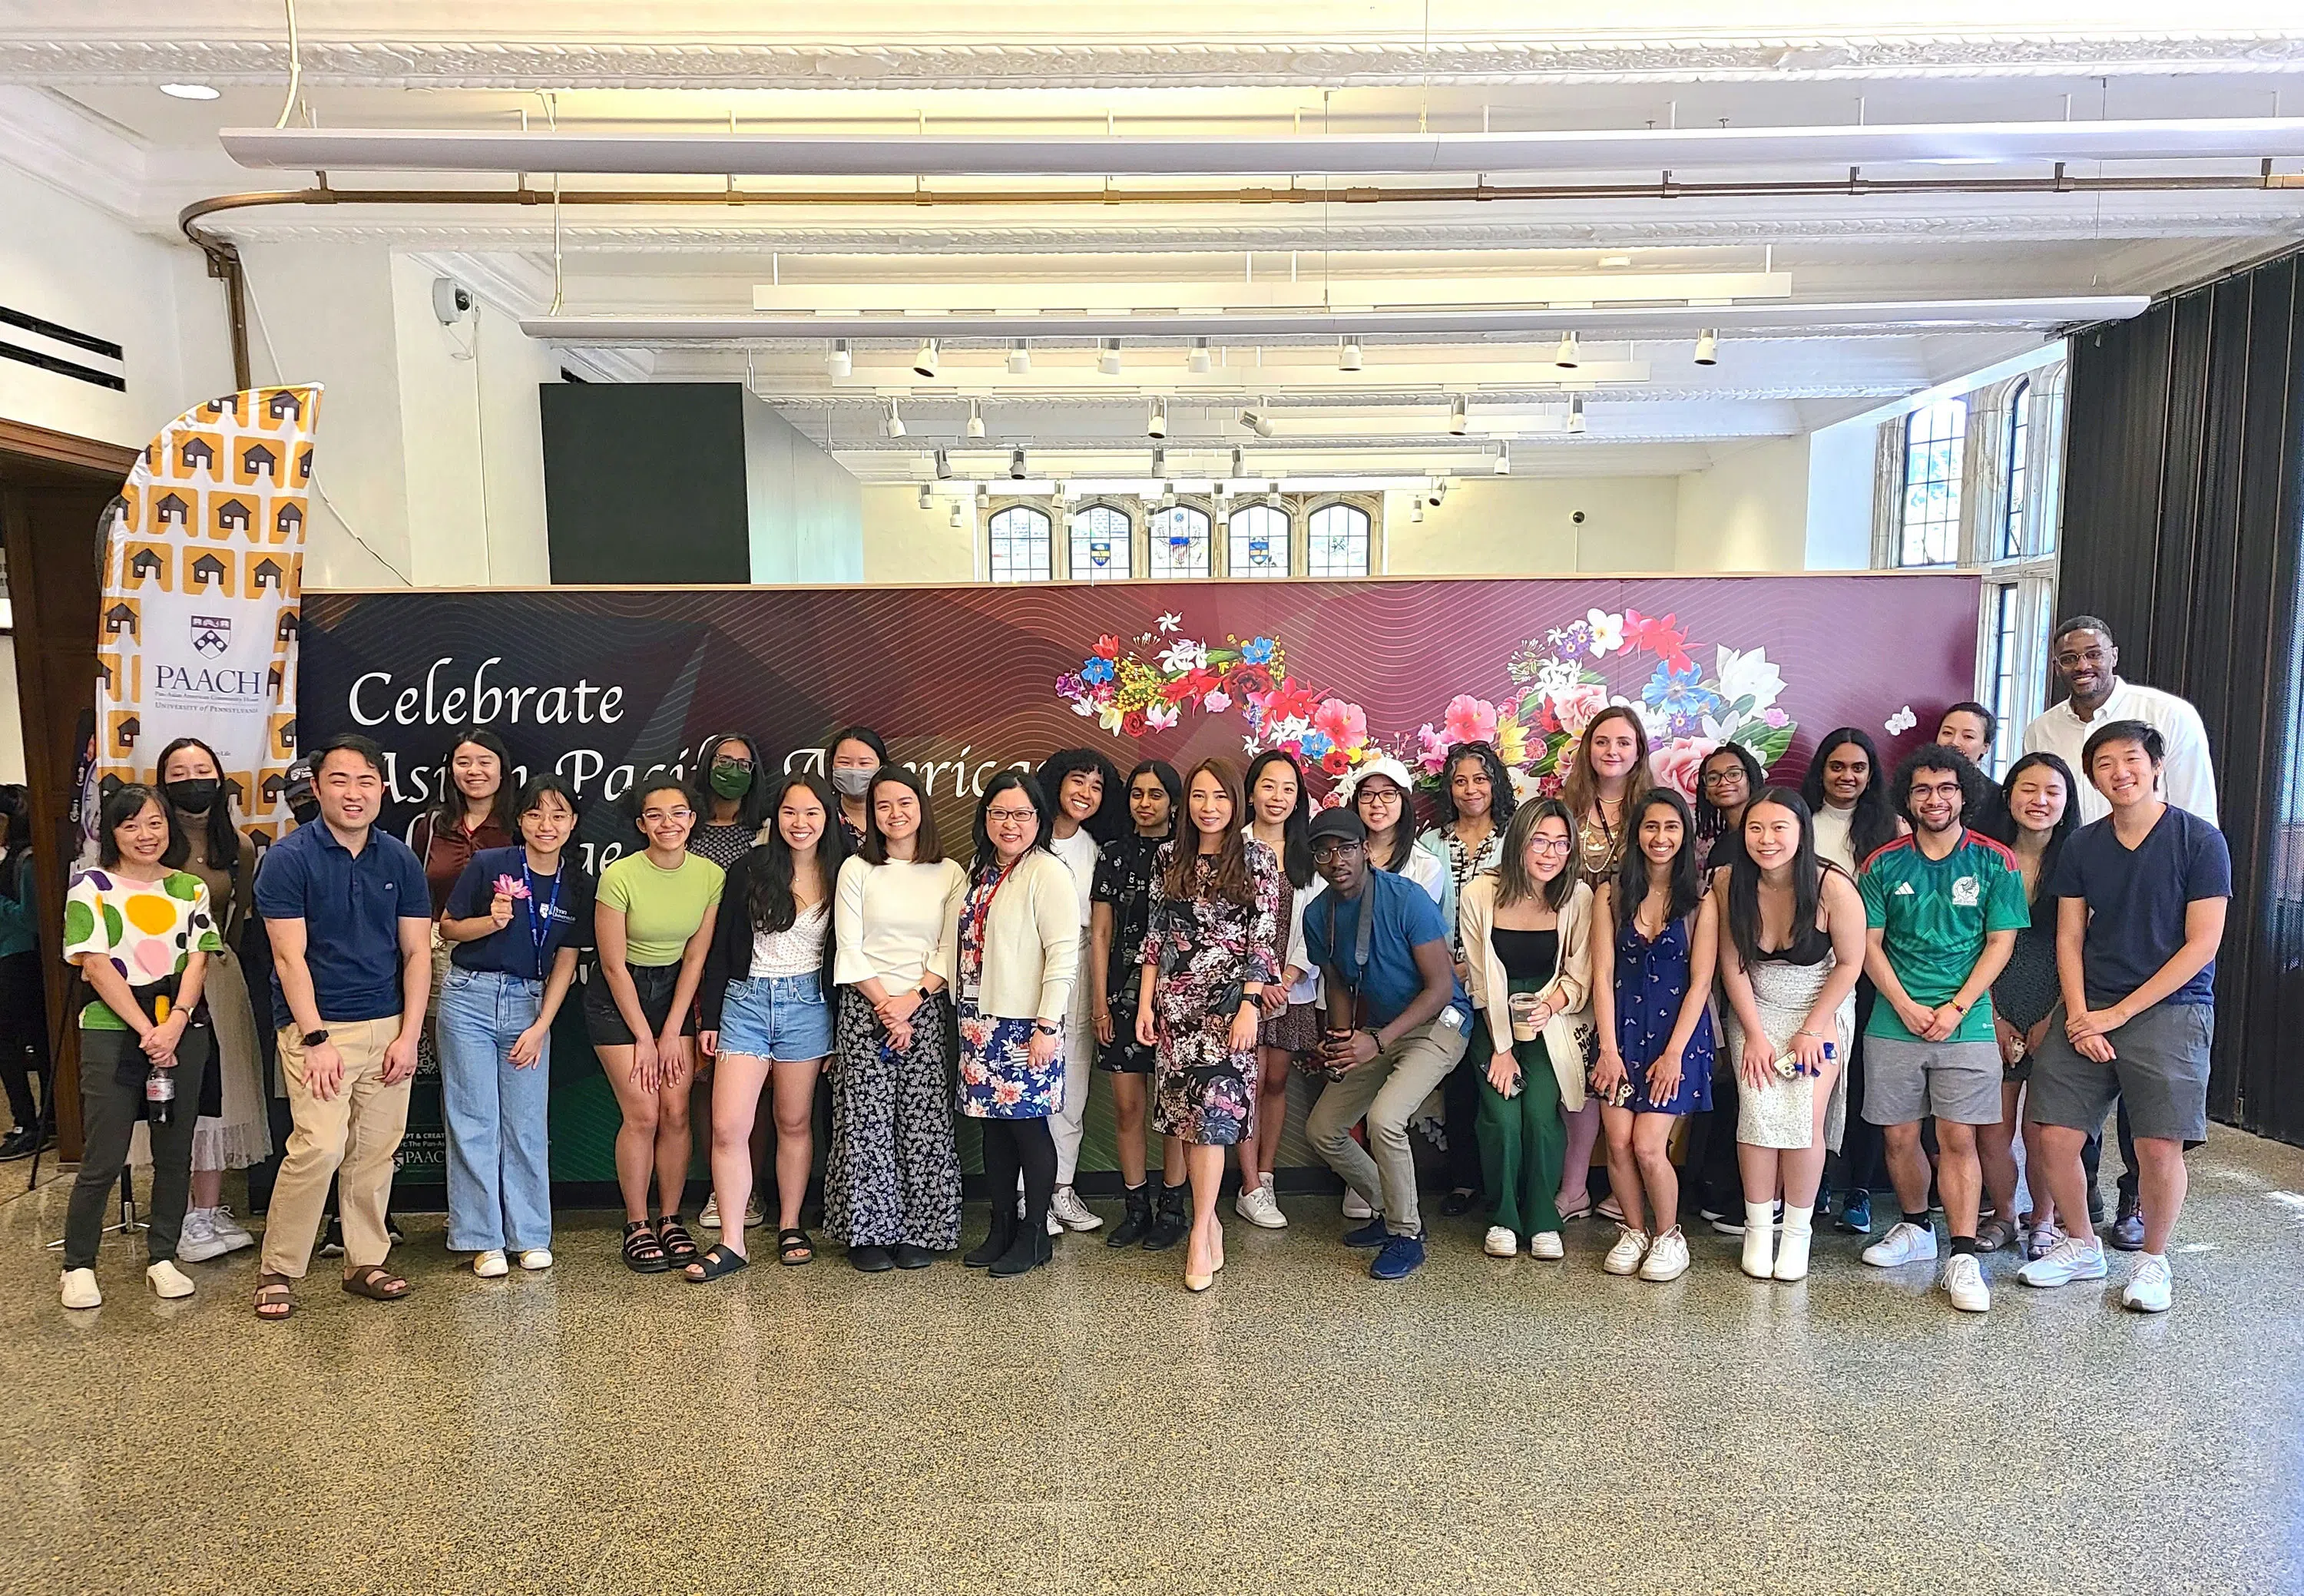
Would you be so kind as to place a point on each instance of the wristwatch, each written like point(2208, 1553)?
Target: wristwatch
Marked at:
point(1045, 1028)
point(313, 1039)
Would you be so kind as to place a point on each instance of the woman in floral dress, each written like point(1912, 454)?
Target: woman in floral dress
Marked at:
point(1213, 946)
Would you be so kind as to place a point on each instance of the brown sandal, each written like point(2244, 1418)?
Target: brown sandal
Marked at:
point(375, 1283)
point(273, 1292)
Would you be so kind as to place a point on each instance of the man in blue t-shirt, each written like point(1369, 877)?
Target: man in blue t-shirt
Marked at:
point(2141, 901)
point(1398, 1020)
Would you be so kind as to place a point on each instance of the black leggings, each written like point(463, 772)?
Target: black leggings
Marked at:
point(1011, 1145)
point(23, 1033)
point(1861, 1142)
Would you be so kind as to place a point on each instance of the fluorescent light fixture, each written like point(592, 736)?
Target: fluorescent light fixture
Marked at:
point(1107, 359)
point(1016, 464)
point(1459, 417)
point(924, 361)
point(1576, 412)
point(925, 494)
point(1503, 460)
point(1197, 362)
point(943, 474)
point(1568, 356)
point(841, 153)
point(895, 425)
point(839, 362)
point(976, 417)
point(1020, 357)
point(1157, 426)
point(1708, 347)
point(191, 91)
point(1347, 358)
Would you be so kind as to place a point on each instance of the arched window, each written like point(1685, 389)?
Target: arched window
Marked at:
point(1101, 546)
point(1933, 439)
point(1338, 544)
point(1179, 543)
point(1022, 545)
point(1258, 539)
point(2020, 448)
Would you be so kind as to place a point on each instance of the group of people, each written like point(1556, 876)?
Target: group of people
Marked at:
point(1915, 963)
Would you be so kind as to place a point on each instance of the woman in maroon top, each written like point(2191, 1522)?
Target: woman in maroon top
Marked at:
point(474, 812)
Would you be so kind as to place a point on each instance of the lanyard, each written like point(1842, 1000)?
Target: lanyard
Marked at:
point(540, 911)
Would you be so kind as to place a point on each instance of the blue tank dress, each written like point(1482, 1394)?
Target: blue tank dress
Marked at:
point(1651, 980)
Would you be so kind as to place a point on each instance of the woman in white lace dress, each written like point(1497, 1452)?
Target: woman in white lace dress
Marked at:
point(1792, 948)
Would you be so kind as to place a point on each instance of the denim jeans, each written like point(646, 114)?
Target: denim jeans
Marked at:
point(499, 1157)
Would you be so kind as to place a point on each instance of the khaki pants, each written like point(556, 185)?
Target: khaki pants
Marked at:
point(1388, 1089)
point(353, 1136)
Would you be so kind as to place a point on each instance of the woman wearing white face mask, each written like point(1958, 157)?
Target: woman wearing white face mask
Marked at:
point(850, 758)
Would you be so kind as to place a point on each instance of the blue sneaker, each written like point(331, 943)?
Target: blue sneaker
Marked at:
point(1400, 1258)
point(1856, 1214)
point(1371, 1235)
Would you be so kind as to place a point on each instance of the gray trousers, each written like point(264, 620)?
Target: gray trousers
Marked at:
point(1388, 1089)
point(109, 1110)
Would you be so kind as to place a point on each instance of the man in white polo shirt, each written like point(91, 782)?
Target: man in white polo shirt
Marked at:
point(2086, 657)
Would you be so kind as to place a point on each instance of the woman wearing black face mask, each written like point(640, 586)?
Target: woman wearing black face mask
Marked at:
point(850, 758)
point(732, 777)
point(233, 1131)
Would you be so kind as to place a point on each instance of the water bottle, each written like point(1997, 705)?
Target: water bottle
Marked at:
point(160, 1096)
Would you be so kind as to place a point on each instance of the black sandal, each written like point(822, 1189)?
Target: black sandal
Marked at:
point(679, 1247)
point(721, 1260)
point(643, 1254)
point(793, 1247)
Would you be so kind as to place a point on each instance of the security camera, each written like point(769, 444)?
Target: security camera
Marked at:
point(1578, 518)
point(452, 302)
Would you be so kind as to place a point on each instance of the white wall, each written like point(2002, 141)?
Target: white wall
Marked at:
point(804, 510)
point(11, 722)
point(1839, 482)
point(1748, 512)
point(905, 543)
point(1517, 524)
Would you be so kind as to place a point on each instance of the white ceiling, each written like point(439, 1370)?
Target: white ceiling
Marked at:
point(79, 104)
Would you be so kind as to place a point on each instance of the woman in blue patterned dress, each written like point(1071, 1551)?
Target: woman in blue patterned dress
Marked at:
point(1654, 943)
point(1018, 954)
point(1212, 946)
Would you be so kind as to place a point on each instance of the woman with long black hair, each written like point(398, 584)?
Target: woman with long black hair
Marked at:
point(1474, 807)
point(1280, 807)
point(1846, 791)
point(1113, 965)
point(234, 1129)
point(765, 1008)
point(1087, 809)
point(730, 776)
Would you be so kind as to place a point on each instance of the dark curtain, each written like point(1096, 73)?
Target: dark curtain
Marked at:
point(2183, 508)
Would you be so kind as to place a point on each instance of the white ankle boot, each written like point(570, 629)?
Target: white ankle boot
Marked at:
point(1760, 1240)
point(1791, 1252)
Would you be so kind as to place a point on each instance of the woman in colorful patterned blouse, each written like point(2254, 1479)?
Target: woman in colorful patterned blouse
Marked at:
point(1475, 805)
point(140, 930)
point(1212, 947)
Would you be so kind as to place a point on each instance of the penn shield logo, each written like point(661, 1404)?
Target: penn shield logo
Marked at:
point(211, 635)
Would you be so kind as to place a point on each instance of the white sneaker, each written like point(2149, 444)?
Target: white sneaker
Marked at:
point(1667, 1257)
point(1260, 1208)
point(1903, 1243)
point(77, 1289)
point(754, 1216)
point(1055, 1225)
point(1545, 1244)
point(1076, 1215)
point(2148, 1287)
point(1500, 1242)
point(2070, 1260)
point(1963, 1283)
point(710, 1217)
point(490, 1265)
point(1625, 1257)
point(168, 1280)
point(198, 1241)
point(1356, 1206)
point(227, 1229)
point(535, 1257)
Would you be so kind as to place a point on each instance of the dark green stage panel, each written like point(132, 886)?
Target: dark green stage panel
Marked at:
point(644, 483)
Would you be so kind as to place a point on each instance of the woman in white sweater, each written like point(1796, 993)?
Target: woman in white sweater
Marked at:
point(1018, 934)
point(892, 1174)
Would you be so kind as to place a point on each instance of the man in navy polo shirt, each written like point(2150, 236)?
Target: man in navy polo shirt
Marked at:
point(1398, 1020)
point(350, 921)
point(2141, 897)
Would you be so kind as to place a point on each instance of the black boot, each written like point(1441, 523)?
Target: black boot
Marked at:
point(1001, 1237)
point(1138, 1219)
point(1030, 1248)
point(1169, 1226)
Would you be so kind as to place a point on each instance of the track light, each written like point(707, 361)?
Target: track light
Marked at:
point(839, 363)
point(1168, 499)
point(1459, 417)
point(924, 494)
point(1708, 347)
point(943, 474)
point(1063, 493)
point(1239, 461)
point(895, 425)
point(1504, 459)
point(1567, 356)
point(1157, 427)
point(1108, 362)
point(1416, 510)
point(1347, 358)
point(1435, 491)
point(1576, 412)
point(924, 363)
point(1258, 421)
point(1020, 357)
point(1198, 360)
point(1016, 464)
point(955, 512)
point(1159, 459)
point(976, 417)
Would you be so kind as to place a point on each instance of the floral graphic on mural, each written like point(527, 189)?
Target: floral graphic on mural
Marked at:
point(1130, 692)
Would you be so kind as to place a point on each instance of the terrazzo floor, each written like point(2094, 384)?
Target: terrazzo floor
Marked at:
point(1484, 1426)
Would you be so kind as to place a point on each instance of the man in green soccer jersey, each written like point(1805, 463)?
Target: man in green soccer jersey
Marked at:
point(1942, 906)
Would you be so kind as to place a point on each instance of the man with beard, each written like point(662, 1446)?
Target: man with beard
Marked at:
point(2086, 659)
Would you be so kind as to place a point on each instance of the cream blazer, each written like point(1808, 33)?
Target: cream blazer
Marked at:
point(1031, 942)
point(1566, 1034)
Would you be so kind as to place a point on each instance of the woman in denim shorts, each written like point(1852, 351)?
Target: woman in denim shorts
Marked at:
point(766, 1014)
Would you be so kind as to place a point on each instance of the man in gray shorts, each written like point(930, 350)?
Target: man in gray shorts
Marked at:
point(2141, 896)
point(1942, 907)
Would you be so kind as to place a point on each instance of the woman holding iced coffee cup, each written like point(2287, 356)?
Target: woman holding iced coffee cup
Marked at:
point(1526, 927)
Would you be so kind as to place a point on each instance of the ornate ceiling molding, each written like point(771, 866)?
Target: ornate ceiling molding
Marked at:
point(556, 63)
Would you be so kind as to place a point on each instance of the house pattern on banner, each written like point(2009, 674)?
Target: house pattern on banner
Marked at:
point(203, 575)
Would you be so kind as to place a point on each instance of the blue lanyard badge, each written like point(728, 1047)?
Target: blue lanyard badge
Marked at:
point(540, 911)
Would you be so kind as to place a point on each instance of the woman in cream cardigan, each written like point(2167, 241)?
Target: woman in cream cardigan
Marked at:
point(1019, 955)
point(1527, 926)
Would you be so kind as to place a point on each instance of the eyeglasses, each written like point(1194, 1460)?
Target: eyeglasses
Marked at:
point(1017, 815)
point(1723, 778)
point(1548, 844)
point(1380, 795)
point(654, 816)
point(1333, 849)
point(727, 762)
